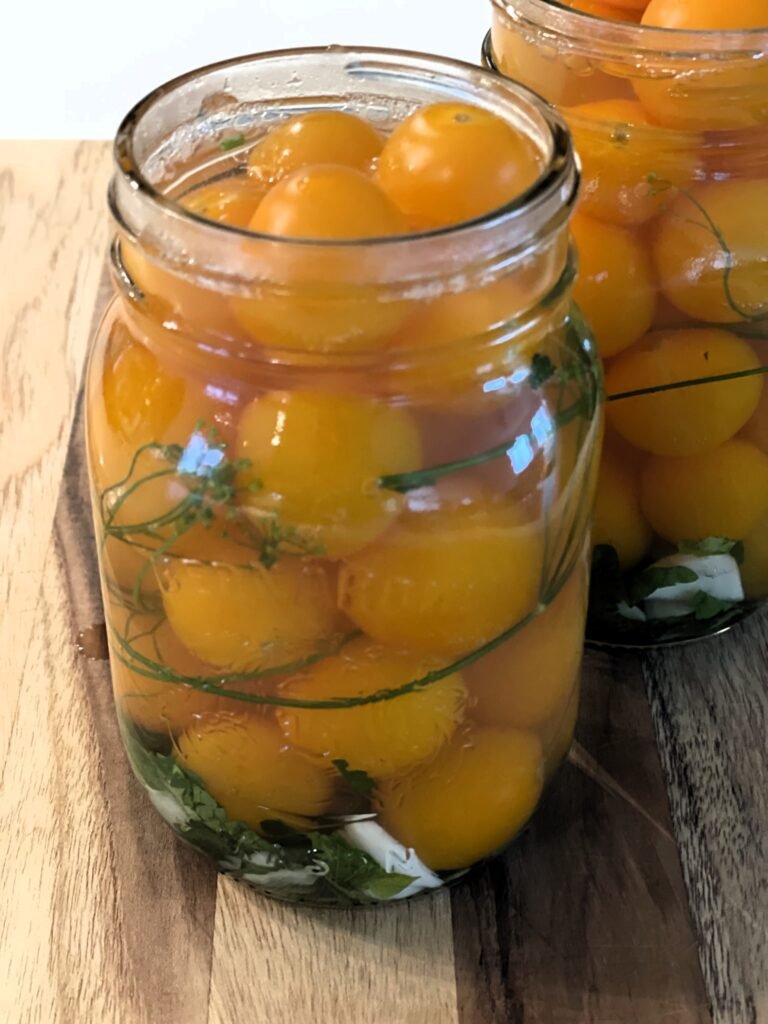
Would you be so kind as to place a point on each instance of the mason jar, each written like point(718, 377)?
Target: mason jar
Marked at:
point(341, 489)
point(671, 128)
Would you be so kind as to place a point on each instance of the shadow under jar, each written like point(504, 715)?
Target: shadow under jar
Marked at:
point(341, 489)
point(671, 128)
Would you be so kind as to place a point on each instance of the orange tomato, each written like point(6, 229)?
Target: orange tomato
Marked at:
point(616, 10)
point(453, 162)
point(529, 678)
point(556, 73)
point(716, 93)
point(467, 802)
point(171, 296)
point(696, 271)
point(231, 201)
point(687, 420)
point(615, 287)
point(316, 137)
point(708, 15)
point(383, 738)
point(719, 493)
point(318, 302)
point(244, 764)
point(617, 519)
point(243, 619)
point(624, 157)
point(445, 581)
point(161, 707)
point(317, 458)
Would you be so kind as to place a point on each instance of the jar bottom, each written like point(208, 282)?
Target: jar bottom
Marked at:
point(602, 634)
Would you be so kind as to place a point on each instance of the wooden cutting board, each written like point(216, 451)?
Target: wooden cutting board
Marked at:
point(639, 895)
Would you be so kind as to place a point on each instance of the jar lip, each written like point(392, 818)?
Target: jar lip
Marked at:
point(552, 176)
point(591, 33)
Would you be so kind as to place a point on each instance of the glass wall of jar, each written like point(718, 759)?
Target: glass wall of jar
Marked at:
point(668, 106)
point(341, 426)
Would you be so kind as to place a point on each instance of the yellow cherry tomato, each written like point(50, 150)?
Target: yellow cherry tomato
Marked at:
point(316, 459)
point(715, 94)
point(720, 493)
point(467, 802)
point(563, 79)
point(687, 420)
point(321, 301)
point(754, 569)
point(168, 294)
point(615, 287)
point(316, 137)
point(152, 704)
point(711, 251)
point(453, 162)
point(616, 518)
point(445, 581)
point(624, 157)
point(383, 738)
point(245, 765)
point(705, 15)
point(328, 202)
point(617, 10)
point(530, 678)
point(480, 344)
point(231, 201)
point(243, 619)
point(756, 429)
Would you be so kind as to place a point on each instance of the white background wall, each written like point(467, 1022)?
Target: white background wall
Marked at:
point(72, 68)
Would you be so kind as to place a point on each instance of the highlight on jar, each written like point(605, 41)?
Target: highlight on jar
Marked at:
point(667, 102)
point(343, 422)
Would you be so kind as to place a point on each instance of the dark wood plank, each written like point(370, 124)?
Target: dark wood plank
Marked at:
point(585, 920)
point(710, 709)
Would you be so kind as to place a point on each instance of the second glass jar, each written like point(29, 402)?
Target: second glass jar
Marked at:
point(671, 128)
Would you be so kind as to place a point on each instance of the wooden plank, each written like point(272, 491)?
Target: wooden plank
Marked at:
point(53, 233)
point(105, 916)
point(392, 965)
point(710, 709)
point(586, 920)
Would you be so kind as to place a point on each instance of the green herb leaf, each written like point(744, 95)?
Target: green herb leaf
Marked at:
point(358, 781)
point(353, 872)
point(232, 143)
point(707, 546)
point(656, 576)
point(705, 606)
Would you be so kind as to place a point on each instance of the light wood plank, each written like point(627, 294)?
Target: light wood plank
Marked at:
point(392, 965)
point(105, 916)
point(53, 234)
point(710, 708)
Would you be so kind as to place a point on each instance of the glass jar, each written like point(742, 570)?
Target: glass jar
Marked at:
point(671, 128)
point(341, 493)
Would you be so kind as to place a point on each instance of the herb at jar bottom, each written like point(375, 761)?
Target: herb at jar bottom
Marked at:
point(316, 866)
point(667, 601)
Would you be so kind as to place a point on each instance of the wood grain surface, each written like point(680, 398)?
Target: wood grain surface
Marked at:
point(105, 917)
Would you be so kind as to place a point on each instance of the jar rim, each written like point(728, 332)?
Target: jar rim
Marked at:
point(556, 184)
point(595, 35)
